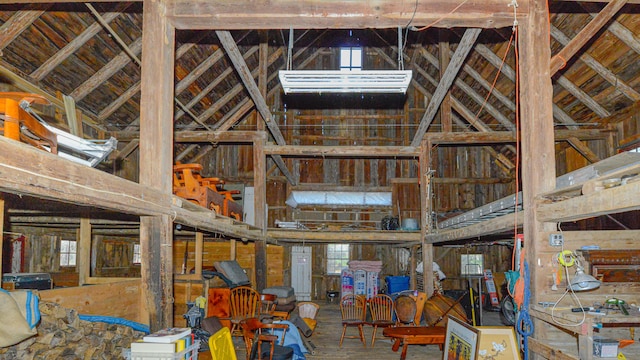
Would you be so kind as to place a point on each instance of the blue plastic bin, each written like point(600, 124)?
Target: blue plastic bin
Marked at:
point(396, 284)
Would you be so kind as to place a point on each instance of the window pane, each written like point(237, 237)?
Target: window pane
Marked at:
point(64, 246)
point(356, 57)
point(72, 259)
point(72, 246)
point(64, 259)
point(345, 57)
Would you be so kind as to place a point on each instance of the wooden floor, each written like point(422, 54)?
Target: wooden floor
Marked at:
point(327, 337)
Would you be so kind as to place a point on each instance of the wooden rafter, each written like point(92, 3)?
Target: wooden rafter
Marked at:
point(596, 66)
point(252, 88)
point(456, 105)
point(463, 49)
point(241, 67)
point(617, 29)
point(508, 71)
point(19, 22)
point(508, 124)
point(583, 149)
point(133, 90)
point(107, 71)
point(76, 43)
point(560, 59)
point(121, 100)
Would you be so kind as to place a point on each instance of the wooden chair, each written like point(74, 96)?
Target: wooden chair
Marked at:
point(221, 345)
point(267, 305)
point(255, 334)
point(406, 309)
point(353, 310)
point(307, 311)
point(244, 303)
point(381, 310)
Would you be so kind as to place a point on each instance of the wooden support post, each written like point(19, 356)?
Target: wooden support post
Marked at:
point(232, 249)
point(538, 155)
point(156, 249)
point(156, 160)
point(260, 204)
point(426, 223)
point(84, 250)
point(412, 266)
point(199, 248)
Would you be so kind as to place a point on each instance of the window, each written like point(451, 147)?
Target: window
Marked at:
point(136, 254)
point(337, 258)
point(67, 253)
point(351, 58)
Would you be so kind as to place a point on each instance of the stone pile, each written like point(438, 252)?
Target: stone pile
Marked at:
point(62, 335)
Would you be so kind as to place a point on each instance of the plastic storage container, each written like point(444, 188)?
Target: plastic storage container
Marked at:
point(189, 353)
point(605, 348)
point(397, 283)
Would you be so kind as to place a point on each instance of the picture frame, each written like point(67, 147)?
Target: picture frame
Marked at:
point(461, 342)
point(497, 343)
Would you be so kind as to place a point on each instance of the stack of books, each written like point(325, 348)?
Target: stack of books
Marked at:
point(170, 343)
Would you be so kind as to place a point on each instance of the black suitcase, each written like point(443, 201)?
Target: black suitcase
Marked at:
point(37, 281)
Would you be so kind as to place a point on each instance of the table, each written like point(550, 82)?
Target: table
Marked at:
point(415, 335)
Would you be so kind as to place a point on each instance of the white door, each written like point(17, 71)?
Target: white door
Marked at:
point(301, 272)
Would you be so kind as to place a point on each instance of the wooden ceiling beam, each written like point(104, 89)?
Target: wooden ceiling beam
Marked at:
point(508, 124)
point(121, 100)
point(106, 72)
point(322, 14)
point(596, 66)
point(240, 65)
point(583, 149)
point(463, 49)
point(209, 112)
point(76, 43)
point(246, 76)
point(458, 107)
point(343, 151)
point(19, 22)
point(132, 91)
point(620, 31)
point(508, 71)
point(560, 59)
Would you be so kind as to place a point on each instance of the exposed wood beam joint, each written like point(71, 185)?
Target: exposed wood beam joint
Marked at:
point(463, 49)
point(559, 60)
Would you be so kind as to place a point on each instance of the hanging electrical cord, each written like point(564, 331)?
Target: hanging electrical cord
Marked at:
point(524, 324)
point(413, 28)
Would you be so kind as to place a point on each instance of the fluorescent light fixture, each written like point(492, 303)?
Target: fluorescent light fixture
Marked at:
point(337, 81)
point(74, 148)
point(338, 198)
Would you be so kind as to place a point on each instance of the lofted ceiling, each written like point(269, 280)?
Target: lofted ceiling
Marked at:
point(92, 53)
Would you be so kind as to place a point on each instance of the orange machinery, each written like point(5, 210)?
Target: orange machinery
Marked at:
point(206, 192)
point(16, 119)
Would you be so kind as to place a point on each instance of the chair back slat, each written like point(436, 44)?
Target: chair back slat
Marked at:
point(381, 308)
point(244, 302)
point(353, 308)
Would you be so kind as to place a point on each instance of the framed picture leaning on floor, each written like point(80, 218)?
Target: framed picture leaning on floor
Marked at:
point(497, 343)
point(461, 341)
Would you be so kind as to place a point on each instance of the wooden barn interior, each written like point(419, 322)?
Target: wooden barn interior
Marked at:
point(516, 137)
